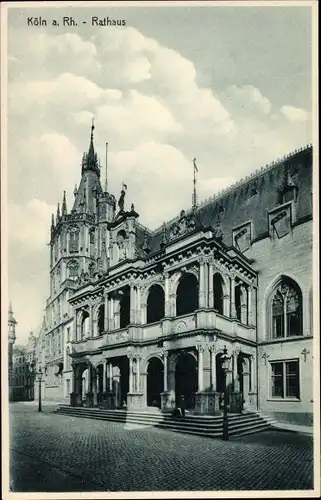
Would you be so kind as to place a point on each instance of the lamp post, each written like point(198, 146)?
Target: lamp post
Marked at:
point(225, 366)
point(39, 380)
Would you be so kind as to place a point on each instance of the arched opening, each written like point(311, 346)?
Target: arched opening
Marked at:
point(186, 380)
point(101, 319)
point(219, 374)
point(121, 382)
point(155, 304)
point(286, 309)
point(124, 307)
point(218, 293)
point(187, 294)
point(155, 382)
point(85, 325)
point(238, 302)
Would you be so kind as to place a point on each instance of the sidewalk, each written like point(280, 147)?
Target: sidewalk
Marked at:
point(302, 429)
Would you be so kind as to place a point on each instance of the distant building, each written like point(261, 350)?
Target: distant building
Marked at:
point(142, 317)
point(23, 371)
point(11, 340)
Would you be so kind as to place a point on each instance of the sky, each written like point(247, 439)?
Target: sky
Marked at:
point(230, 86)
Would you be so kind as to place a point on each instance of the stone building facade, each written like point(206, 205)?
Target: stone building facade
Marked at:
point(138, 318)
point(23, 371)
point(11, 340)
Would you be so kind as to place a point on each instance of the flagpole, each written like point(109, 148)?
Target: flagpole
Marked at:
point(194, 197)
point(106, 168)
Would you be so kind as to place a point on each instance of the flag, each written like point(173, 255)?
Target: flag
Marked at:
point(195, 166)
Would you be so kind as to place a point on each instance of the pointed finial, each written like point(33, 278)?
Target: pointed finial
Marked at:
point(64, 204)
point(132, 207)
point(58, 211)
point(75, 191)
point(164, 236)
point(92, 128)
point(10, 307)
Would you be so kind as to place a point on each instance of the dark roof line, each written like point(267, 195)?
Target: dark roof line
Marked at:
point(245, 180)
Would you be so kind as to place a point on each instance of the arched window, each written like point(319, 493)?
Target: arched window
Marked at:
point(85, 325)
point(124, 308)
point(218, 293)
point(286, 310)
point(187, 294)
point(155, 304)
point(101, 319)
point(74, 240)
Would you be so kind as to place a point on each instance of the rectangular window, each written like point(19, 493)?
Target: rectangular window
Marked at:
point(285, 379)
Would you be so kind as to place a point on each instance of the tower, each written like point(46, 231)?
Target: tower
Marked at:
point(78, 244)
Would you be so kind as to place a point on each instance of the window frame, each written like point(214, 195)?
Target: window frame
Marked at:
point(284, 363)
point(286, 313)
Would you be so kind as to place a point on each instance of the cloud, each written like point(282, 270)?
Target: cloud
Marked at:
point(294, 114)
point(247, 99)
point(30, 224)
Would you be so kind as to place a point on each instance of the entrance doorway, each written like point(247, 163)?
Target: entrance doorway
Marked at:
point(186, 383)
point(155, 382)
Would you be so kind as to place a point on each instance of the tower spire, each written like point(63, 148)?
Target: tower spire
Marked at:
point(194, 196)
point(89, 160)
point(58, 213)
point(64, 205)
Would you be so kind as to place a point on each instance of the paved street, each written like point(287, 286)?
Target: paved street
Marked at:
point(59, 453)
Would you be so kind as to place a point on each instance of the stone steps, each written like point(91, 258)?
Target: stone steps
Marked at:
point(209, 426)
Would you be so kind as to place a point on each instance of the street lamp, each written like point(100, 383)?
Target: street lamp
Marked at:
point(225, 358)
point(39, 380)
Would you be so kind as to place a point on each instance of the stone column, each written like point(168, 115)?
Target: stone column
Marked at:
point(201, 299)
point(210, 286)
point(226, 305)
point(137, 373)
point(165, 356)
point(243, 305)
point(95, 386)
point(212, 348)
point(131, 380)
point(236, 384)
point(91, 322)
point(105, 376)
point(249, 305)
point(110, 377)
point(116, 314)
point(233, 310)
point(200, 349)
point(172, 301)
point(111, 314)
point(137, 310)
point(132, 305)
point(167, 297)
point(106, 317)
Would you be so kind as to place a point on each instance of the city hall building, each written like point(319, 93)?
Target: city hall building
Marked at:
point(137, 318)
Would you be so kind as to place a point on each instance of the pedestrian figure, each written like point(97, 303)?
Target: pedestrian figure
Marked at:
point(182, 405)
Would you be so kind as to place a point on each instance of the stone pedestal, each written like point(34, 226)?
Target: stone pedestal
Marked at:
point(90, 399)
point(251, 402)
point(236, 402)
point(108, 400)
point(75, 399)
point(207, 403)
point(135, 401)
point(167, 401)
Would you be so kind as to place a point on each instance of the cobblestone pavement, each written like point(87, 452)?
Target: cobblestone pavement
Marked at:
point(51, 452)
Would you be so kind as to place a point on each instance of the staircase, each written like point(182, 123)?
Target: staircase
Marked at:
point(208, 426)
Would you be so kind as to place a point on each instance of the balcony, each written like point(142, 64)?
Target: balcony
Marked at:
point(204, 320)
